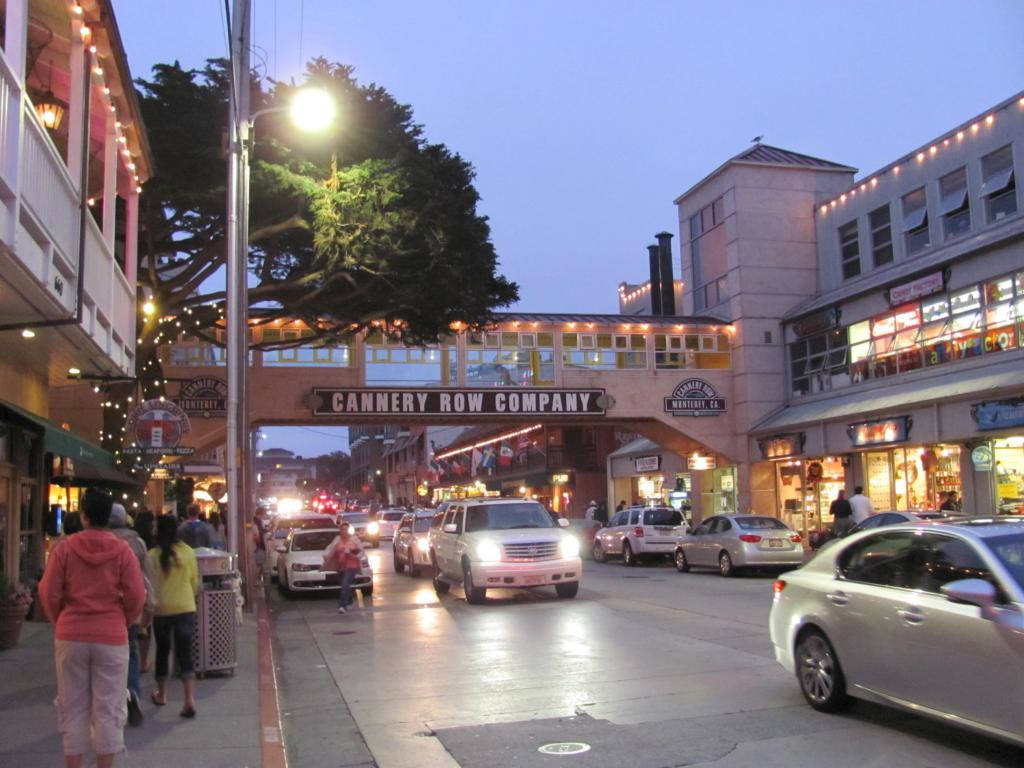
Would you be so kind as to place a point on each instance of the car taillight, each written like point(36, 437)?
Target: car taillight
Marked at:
point(795, 538)
point(638, 531)
point(778, 586)
point(750, 538)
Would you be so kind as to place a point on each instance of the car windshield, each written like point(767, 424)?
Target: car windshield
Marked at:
point(662, 516)
point(498, 517)
point(422, 525)
point(357, 517)
point(1010, 551)
point(760, 523)
point(314, 541)
point(392, 517)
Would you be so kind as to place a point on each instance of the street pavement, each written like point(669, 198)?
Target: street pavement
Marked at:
point(648, 667)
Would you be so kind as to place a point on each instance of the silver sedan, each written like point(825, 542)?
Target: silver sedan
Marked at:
point(730, 542)
point(927, 617)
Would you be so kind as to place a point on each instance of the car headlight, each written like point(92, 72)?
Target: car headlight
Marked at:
point(422, 545)
point(305, 567)
point(569, 547)
point(488, 551)
point(372, 528)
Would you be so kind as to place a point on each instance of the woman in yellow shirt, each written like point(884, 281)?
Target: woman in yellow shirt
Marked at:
point(176, 583)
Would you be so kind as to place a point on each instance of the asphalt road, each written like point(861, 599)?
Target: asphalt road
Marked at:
point(648, 667)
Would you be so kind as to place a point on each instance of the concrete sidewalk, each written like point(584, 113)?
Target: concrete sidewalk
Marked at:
point(226, 731)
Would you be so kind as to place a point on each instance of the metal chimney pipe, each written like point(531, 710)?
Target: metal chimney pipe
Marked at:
point(668, 284)
point(654, 253)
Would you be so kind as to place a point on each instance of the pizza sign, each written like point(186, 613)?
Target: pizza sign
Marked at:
point(694, 397)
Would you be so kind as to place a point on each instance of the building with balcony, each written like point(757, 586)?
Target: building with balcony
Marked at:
point(73, 157)
point(903, 371)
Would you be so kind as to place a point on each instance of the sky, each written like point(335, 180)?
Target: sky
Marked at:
point(584, 119)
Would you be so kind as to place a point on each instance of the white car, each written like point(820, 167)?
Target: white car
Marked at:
point(282, 526)
point(491, 543)
point(410, 548)
point(637, 532)
point(300, 563)
point(926, 616)
point(388, 520)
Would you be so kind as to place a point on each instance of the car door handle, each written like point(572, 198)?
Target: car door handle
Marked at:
point(838, 598)
point(910, 615)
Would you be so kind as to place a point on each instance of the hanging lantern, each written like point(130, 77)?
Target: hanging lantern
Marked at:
point(50, 112)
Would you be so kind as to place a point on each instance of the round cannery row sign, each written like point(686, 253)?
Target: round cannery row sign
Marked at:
point(694, 397)
point(156, 426)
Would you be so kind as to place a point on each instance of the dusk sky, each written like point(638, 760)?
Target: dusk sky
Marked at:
point(584, 119)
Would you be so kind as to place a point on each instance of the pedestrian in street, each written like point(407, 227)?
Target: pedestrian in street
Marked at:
point(591, 511)
point(950, 503)
point(602, 513)
point(119, 527)
point(176, 580)
point(343, 555)
point(842, 515)
point(861, 505)
point(219, 535)
point(92, 590)
point(621, 505)
point(195, 531)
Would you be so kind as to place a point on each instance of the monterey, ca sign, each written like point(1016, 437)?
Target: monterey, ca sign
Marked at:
point(461, 402)
point(694, 397)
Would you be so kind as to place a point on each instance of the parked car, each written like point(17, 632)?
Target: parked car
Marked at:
point(637, 532)
point(388, 520)
point(927, 617)
point(585, 531)
point(300, 563)
point(489, 543)
point(283, 525)
point(364, 525)
point(732, 542)
point(882, 519)
point(410, 548)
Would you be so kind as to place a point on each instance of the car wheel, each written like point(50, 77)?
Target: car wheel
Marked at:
point(441, 586)
point(598, 552)
point(567, 590)
point(282, 586)
point(817, 669)
point(474, 595)
point(399, 565)
point(628, 556)
point(682, 564)
point(367, 591)
point(725, 566)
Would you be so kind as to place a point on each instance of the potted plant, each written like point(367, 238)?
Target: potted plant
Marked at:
point(15, 600)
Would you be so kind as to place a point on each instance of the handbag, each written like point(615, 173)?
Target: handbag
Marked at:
point(332, 561)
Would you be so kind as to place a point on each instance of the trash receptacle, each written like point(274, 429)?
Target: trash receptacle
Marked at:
point(214, 643)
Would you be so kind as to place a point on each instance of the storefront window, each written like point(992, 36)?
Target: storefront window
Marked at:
point(719, 496)
point(807, 489)
point(918, 477)
point(1008, 454)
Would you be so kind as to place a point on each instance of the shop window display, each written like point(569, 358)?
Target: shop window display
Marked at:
point(918, 477)
point(806, 490)
point(1008, 474)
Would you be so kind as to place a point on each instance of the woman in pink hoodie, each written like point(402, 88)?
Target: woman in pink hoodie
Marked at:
point(92, 591)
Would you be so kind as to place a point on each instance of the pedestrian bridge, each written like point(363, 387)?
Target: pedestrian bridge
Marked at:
point(668, 378)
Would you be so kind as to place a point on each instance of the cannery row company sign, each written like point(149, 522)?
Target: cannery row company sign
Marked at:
point(461, 402)
point(694, 397)
point(206, 396)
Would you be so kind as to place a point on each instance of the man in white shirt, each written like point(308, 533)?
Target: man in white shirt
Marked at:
point(861, 504)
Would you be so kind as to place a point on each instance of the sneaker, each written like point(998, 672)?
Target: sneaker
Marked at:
point(135, 715)
point(342, 609)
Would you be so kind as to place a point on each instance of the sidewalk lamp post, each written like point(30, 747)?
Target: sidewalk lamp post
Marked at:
point(312, 109)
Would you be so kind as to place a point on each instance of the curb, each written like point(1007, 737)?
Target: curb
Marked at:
point(272, 753)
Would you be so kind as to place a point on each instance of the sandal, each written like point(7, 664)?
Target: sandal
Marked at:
point(188, 712)
point(155, 700)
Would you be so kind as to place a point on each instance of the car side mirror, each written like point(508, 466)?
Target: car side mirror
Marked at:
point(563, 523)
point(450, 528)
point(971, 591)
point(281, 547)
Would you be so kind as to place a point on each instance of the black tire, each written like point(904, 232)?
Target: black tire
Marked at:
point(474, 595)
point(819, 673)
point(681, 563)
point(598, 552)
point(282, 587)
point(399, 564)
point(725, 566)
point(367, 591)
point(567, 590)
point(629, 557)
point(441, 586)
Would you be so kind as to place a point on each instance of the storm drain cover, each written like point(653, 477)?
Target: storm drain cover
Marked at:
point(564, 748)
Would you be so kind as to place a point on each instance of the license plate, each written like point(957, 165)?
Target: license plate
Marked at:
point(663, 530)
point(775, 543)
point(533, 580)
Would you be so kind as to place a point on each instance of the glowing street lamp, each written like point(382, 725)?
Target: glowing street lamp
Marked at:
point(312, 110)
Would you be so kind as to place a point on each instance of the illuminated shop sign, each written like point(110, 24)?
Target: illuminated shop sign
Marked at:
point(696, 461)
point(647, 463)
point(999, 414)
point(819, 321)
point(782, 446)
point(560, 478)
point(463, 402)
point(694, 397)
point(880, 432)
point(917, 289)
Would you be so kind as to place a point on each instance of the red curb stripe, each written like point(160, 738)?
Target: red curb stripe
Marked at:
point(272, 754)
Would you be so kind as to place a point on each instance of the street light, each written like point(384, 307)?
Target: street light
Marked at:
point(315, 112)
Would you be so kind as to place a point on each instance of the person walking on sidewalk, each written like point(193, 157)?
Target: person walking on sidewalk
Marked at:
point(842, 515)
point(176, 580)
point(91, 590)
point(343, 554)
point(195, 531)
point(119, 527)
point(861, 505)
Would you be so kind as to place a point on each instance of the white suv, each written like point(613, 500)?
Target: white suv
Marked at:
point(635, 532)
point(491, 543)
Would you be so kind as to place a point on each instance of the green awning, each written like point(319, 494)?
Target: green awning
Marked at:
point(59, 441)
